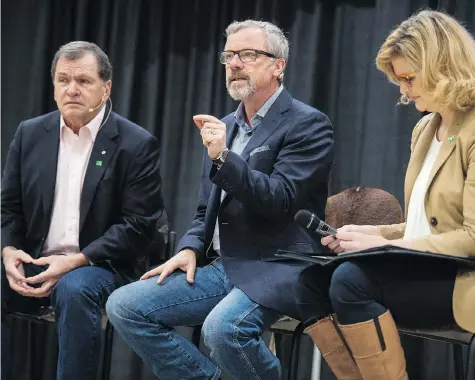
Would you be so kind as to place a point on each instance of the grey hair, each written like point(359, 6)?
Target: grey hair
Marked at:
point(77, 49)
point(276, 42)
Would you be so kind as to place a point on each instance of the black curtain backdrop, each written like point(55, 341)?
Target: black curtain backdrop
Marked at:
point(166, 69)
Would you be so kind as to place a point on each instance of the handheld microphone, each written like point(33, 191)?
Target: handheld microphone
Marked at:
point(312, 222)
point(95, 108)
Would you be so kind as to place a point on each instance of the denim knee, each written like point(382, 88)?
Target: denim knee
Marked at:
point(71, 289)
point(353, 295)
point(217, 333)
point(118, 305)
point(86, 286)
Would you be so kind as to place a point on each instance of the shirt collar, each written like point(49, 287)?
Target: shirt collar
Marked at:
point(261, 112)
point(93, 126)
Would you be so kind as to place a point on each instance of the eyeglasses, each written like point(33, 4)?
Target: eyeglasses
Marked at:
point(245, 55)
point(407, 78)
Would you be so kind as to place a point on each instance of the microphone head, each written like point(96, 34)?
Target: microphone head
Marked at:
point(302, 217)
point(95, 108)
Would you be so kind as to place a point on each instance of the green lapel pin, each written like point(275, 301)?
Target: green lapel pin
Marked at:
point(451, 138)
point(98, 163)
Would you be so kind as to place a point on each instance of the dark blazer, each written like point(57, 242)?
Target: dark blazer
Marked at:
point(265, 188)
point(120, 201)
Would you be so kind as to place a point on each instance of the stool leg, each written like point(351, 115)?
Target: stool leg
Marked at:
point(295, 352)
point(29, 348)
point(458, 362)
point(196, 335)
point(107, 357)
point(471, 360)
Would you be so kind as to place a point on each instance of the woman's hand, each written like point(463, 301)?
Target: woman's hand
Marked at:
point(356, 241)
point(351, 241)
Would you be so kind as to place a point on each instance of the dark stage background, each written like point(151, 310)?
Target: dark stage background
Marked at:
point(166, 69)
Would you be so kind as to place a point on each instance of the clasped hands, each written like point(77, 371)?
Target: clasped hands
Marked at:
point(351, 238)
point(58, 265)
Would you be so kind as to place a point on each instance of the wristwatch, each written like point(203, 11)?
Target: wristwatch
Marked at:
point(221, 158)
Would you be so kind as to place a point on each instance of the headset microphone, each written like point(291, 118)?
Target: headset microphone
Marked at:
point(95, 108)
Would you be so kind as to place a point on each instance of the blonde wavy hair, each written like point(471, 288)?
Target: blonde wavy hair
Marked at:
point(441, 51)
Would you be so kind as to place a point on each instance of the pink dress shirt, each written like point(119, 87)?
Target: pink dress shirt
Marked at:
point(73, 157)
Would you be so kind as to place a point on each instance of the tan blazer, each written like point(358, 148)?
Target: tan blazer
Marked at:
point(449, 202)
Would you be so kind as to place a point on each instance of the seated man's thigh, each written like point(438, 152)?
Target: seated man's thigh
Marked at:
point(91, 283)
point(175, 302)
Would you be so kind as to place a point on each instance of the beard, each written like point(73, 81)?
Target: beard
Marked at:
point(240, 85)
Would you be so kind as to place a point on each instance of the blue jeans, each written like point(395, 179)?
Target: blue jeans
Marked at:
point(144, 314)
point(77, 298)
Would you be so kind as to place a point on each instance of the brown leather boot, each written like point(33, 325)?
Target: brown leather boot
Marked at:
point(376, 348)
point(329, 340)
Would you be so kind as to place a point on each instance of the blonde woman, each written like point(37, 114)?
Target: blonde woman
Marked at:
point(352, 313)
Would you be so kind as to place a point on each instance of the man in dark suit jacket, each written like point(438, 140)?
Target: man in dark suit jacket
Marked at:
point(263, 163)
point(81, 196)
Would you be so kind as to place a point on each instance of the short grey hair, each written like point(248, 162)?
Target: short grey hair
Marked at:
point(77, 49)
point(276, 42)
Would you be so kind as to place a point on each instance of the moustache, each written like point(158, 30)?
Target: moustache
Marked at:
point(238, 76)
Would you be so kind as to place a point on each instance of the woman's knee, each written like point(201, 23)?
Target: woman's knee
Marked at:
point(349, 285)
point(313, 283)
point(304, 285)
point(311, 294)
